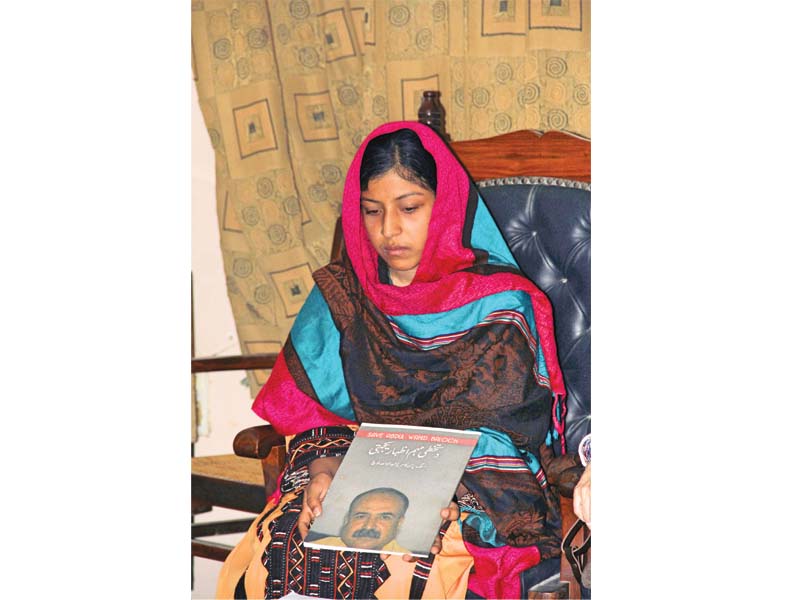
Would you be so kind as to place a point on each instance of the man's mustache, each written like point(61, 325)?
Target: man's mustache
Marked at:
point(367, 533)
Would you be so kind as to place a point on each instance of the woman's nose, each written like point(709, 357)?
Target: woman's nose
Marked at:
point(391, 224)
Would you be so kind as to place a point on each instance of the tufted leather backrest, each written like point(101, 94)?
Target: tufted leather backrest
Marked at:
point(546, 223)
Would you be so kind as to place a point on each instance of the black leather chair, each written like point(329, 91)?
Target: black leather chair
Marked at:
point(547, 225)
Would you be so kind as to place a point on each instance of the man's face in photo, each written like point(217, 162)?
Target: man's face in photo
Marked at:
point(373, 521)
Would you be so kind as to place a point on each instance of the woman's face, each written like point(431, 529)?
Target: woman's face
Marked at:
point(396, 214)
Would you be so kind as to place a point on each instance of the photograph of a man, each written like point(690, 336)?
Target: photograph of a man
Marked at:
point(372, 521)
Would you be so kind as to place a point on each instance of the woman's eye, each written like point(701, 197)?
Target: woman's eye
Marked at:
point(410, 209)
point(370, 211)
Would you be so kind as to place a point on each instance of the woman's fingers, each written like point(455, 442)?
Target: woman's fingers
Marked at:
point(450, 513)
point(315, 493)
point(312, 503)
point(304, 521)
point(437, 545)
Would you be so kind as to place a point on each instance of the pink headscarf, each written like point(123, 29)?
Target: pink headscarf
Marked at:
point(441, 282)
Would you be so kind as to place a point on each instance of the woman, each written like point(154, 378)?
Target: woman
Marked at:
point(426, 320)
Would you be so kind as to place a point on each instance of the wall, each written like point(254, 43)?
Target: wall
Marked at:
point(225, 403)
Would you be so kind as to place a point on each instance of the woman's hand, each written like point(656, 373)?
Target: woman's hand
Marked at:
point(582, 497)
point(321, 472)
point(449, 513)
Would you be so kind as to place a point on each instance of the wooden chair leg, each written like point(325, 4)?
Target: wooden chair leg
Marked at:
point(554, 591)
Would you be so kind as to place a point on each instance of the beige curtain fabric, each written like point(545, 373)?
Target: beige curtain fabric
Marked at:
point(289, 88)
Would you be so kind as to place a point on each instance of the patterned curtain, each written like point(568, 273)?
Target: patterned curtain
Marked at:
point(288, 89)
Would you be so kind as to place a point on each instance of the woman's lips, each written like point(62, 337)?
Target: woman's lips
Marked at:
point(395, 250)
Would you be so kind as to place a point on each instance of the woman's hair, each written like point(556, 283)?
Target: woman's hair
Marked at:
point(402, 152)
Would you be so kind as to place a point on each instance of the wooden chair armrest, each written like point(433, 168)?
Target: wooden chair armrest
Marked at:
point(257, 442)
point(567, 480)
point(563, 472)
point(233, 363)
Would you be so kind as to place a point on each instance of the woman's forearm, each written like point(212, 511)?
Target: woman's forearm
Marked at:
point(326, 464)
